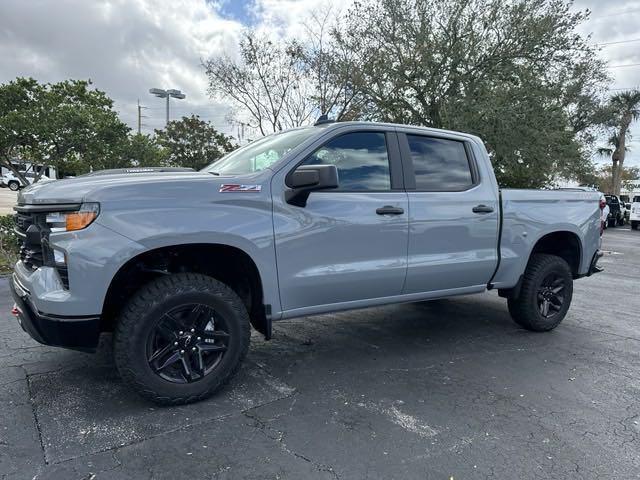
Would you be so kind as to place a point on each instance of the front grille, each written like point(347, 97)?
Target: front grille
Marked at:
point(35, 251)
point(29, 226)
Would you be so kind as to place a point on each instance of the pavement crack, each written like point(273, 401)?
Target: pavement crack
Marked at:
point(279, 437)
point(34, 411)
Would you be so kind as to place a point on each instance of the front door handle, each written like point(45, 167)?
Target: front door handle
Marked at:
point(482, 209)
point(389, 210)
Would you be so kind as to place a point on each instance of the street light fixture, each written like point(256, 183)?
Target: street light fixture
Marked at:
point(158, 92)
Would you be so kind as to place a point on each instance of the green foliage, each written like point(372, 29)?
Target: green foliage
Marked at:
point(192, 142)
point(142, 150)
point(517, 73)
point(602, 178)
point(66, 124)
point(9, 243)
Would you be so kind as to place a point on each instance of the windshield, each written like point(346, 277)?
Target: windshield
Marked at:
point(260, 154)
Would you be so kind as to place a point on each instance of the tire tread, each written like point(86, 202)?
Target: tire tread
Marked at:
point(146, 299)
point(521, 309)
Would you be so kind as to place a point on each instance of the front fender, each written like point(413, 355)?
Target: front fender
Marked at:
point(246, 225)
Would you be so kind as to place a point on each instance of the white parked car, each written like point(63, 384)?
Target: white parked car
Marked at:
point(634, 216)
point(14, 183)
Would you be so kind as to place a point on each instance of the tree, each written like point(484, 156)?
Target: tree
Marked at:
point(325, 67)
point(624, 107)
point(19, 121)
point(67, 125)
point(601, 178)
point(192, 142)
point(143, 151)
point(609, 151)
point(265, 83)
point(517, 73)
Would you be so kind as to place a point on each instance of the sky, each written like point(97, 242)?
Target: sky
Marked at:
point(128, 46)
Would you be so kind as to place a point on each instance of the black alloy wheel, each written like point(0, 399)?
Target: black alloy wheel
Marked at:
point(181, 337)
point(544, 295)
point(187, 343)
point(551, 295)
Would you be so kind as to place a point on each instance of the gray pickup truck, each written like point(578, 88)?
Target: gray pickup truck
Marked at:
point(319, 219)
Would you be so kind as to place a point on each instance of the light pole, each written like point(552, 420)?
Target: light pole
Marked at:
point(158, 92)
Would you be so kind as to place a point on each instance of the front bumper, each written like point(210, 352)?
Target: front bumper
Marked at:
point(78, 333)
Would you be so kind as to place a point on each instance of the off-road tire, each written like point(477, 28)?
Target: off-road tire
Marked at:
point(137, 321)
point(14, 186)
point(524, 308)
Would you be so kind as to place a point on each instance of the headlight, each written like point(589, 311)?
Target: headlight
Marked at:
point(71, 221)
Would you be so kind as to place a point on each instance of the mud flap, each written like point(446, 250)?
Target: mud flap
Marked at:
point(261, 321)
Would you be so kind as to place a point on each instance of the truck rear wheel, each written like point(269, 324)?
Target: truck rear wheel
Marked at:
point(181, 337)
point(545, 294)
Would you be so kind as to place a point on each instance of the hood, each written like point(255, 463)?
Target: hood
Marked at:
point(90, 187)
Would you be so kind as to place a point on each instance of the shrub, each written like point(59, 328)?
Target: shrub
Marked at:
point(9, 243)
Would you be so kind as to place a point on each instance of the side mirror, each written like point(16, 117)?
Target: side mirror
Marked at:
point(307, 178)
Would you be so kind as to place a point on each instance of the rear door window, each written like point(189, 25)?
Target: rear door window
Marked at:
point(440, 164)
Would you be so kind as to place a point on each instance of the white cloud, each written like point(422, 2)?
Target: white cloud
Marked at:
point(129, 46)
point(616, 21)
point(125, 47)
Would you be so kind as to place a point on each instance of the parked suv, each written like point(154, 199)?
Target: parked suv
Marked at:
point(318, 219)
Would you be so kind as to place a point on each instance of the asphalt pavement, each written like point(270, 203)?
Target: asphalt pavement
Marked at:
point(437, 390)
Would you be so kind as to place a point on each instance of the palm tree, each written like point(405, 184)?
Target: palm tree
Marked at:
point(625, 107)
point(609, 151)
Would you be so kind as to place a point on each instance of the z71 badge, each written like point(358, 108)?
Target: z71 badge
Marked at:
point(234, 187)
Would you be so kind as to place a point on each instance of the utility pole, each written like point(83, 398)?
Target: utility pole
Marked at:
point(140, 116)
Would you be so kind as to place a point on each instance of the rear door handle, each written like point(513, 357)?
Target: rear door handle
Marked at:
point(482, 209)
point(389, 210)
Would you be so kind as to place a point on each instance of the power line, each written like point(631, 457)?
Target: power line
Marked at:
point(626, 88)
point(617, 43)
point(625, 65)
point(615, 14)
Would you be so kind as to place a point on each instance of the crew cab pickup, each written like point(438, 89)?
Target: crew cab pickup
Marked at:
point(318, 219)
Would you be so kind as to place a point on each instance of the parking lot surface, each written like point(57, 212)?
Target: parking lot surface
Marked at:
point(438, 390)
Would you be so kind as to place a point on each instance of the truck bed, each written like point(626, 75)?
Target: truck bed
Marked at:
point(529, 215)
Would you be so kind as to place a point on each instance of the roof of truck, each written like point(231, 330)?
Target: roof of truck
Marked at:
point(431, 130)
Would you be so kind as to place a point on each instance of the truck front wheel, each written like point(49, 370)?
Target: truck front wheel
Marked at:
point(14, 186)
point(181, 337)
point(545, 294)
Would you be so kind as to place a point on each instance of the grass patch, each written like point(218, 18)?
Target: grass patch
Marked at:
point(9, 244)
